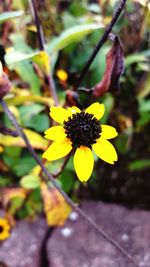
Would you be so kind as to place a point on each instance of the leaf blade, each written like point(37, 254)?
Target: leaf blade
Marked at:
point(10, 15)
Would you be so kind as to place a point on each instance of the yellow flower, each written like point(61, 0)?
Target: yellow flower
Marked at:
point(4, 229)
point(82, 131)
point(62, 75)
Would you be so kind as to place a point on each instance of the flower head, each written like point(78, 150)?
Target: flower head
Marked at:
point(4, 229)
point(81, 130)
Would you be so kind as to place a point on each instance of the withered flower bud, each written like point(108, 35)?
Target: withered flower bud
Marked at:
point(5, 84)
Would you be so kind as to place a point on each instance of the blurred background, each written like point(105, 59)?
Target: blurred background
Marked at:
point(71, 30)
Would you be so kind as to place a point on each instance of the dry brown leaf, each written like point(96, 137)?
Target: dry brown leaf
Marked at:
point(8, 194)
point(55, 207)
point(113, 71)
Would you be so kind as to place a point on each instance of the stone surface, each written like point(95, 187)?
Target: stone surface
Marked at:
point(23, 247)
point(85, 248)
point(77, 244)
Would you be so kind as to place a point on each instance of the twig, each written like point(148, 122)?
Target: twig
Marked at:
point(38, 24)
point(40, 34)
point(56, 185)
point(63, 165)
point(102, 40)
point(53, 90)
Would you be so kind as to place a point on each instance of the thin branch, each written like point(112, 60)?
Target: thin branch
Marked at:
point(63, 165)
point(102, 40)
point(56, 185)
point(40, 35)
point(38, 24)
point(53, 89)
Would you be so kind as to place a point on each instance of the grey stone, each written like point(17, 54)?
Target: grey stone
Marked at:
point(85, 248)
point(23, 246)
point(77, 244)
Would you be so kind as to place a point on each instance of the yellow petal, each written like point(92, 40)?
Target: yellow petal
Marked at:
point(4, 235)
point(105, 151)
point(72, 110)
point(58, 114)
point(108, 132)
point(96, 109)
point(4, 224)
point(55, 133)
point(58, 149)
point(83, 163)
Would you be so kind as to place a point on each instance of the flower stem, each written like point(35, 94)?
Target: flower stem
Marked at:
point(55, 175)
point(40, 35)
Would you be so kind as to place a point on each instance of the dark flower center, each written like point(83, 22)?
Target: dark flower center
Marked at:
point(1, 229)
point(83, 129)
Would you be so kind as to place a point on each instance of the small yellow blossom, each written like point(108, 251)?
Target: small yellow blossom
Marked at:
point(81, 130)
point(4, 229)
point(62, 75)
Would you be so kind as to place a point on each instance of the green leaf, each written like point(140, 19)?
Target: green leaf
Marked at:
point(41, 58)
point(144, 111)
point(21, 166)
point(98, 66)
point(27, 112)
point(78, 8)
point(122, 143)
point(144, 119)
point(5, 181)
point(135, 58)
point(66, 179)
point(39, 122)
point(30, 181)
point(27, 74)
point(23, 67)
point(19, 43)
point(16, 203)
point(109, 103)
point(71, 35)
point(144, 89)
point(17, 56)
point(10, 15)
point(13, 152)
point(144, 105)
point(139, 164)
point(94, 8)
point(21, 63)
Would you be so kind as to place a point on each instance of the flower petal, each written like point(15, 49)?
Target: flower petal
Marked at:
point(57, 150)
point(58, 114)
point(105, 151)
point(96, 109)
point(108, 132)
point(55, 133)
point(72, 110)
point(83, 163)
point(4, 235)
point(4, 224)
